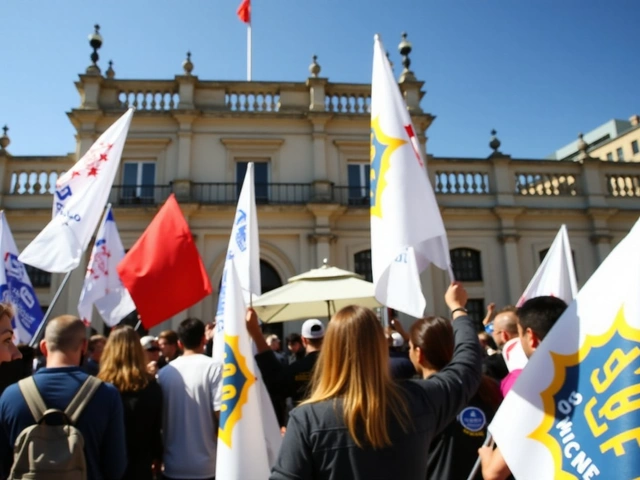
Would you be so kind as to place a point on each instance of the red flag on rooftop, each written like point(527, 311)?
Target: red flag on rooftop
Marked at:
point(244, 11)
point(163, 271)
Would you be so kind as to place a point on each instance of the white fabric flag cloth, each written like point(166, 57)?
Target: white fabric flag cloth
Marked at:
point(574, 410)
point(244, 250)
point(556, 275)
point(80, 197)
point(102, 285)
point(16, 288)
point(407, 232)
point(245, 449)
point(513, 354)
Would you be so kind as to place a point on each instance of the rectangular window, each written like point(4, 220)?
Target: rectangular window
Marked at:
point(260, 177)
point(634, 147)
point(358, 177)
point(610, 157)
point(620, 154)
point(138, 181)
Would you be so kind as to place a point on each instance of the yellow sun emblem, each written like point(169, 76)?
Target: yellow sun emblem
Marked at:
point(382, 147)
point(236, 382)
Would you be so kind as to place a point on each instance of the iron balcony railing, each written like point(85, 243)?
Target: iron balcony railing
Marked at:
point(136, 195)
point(351, 196)
point(266, 193)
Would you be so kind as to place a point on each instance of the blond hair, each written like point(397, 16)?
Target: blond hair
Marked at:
point(6, 309)
point(354, 367)
point(123, 361)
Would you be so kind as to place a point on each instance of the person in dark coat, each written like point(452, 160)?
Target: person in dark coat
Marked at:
point(124, 365)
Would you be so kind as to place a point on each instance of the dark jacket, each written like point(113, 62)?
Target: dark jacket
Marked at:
point(318, 445)
point(143, 429)
point(454, 451)
point(287, 380)
point(495, 366)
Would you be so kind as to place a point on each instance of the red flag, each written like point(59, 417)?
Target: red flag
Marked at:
point(163, 271)
point(244, 11)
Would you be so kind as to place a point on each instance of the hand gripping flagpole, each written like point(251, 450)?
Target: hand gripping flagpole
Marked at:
point(476, 466)
point(36, 336)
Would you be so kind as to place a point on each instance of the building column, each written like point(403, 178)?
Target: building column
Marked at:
point(322, 235)
point(509, 237)
point(512, 263)
point(600, 234)
point(321, 183)
point(181, 181)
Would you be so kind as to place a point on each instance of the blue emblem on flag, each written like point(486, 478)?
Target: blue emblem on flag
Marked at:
point(18, 292)
point(241, 234)
point(595, 395)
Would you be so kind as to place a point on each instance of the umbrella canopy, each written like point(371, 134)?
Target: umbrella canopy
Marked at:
point(316, 293)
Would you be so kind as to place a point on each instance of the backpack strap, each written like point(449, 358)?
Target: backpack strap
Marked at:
point(82, 398)
point(32, 396)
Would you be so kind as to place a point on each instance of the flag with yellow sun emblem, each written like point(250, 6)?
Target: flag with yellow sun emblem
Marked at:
point(574, 412)
point(248, 441)
point(407, 232)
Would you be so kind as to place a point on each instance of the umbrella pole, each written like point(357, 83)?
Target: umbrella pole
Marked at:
point(328, 310)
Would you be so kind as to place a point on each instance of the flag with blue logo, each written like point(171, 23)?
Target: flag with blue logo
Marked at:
point(78, 202)
point(102, 285)
point(244, 249)
point(556, 275)
point(16, 289)
point(574, 412)
point(407, 232)
point(247, 445)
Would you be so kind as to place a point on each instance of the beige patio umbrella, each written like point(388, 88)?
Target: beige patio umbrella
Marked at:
point(319, 292)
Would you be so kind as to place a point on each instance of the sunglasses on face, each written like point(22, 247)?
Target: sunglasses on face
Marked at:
point(153, 349)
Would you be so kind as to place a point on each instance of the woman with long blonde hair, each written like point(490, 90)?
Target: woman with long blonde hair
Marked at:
point(358, 422)
point(124, 364)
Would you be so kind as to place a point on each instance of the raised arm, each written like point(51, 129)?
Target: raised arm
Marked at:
point(449, 390)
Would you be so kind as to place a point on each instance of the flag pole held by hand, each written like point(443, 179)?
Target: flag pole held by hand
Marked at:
point(476, 466)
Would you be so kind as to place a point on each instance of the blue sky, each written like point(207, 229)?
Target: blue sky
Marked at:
point(539, 71)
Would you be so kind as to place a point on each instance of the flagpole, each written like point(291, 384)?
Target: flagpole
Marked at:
point(478, 464)
point(35, 339)
point(249, 51)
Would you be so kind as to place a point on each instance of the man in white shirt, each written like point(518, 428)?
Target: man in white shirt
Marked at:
point(191, 388)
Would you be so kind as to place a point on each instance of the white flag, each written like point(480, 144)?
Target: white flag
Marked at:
point(102, 285)
point(245, 449)
point(16, 289)
point(556, 275)
point(244, 249)
point(81, 194)
point(574, 412)
point(407, 232)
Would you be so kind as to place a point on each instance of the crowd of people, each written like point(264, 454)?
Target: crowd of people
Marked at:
point(353, 399)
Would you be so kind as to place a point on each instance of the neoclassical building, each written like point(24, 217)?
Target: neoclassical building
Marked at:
point(310, 142)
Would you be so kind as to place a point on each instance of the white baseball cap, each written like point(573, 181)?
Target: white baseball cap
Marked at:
point(312, 328)
point(397, 340)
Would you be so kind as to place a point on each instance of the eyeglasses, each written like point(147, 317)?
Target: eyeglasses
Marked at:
point(153, 349)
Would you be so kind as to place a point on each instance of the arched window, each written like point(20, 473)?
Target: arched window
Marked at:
point(466, 264)
point(362, 263)
point(269, 277)
point(39, 278)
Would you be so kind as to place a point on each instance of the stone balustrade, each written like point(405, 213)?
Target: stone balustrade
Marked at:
point(28, 182)
point(190, 93)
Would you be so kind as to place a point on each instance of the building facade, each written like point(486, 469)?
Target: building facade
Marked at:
point(614, 141)
point(310, 143)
